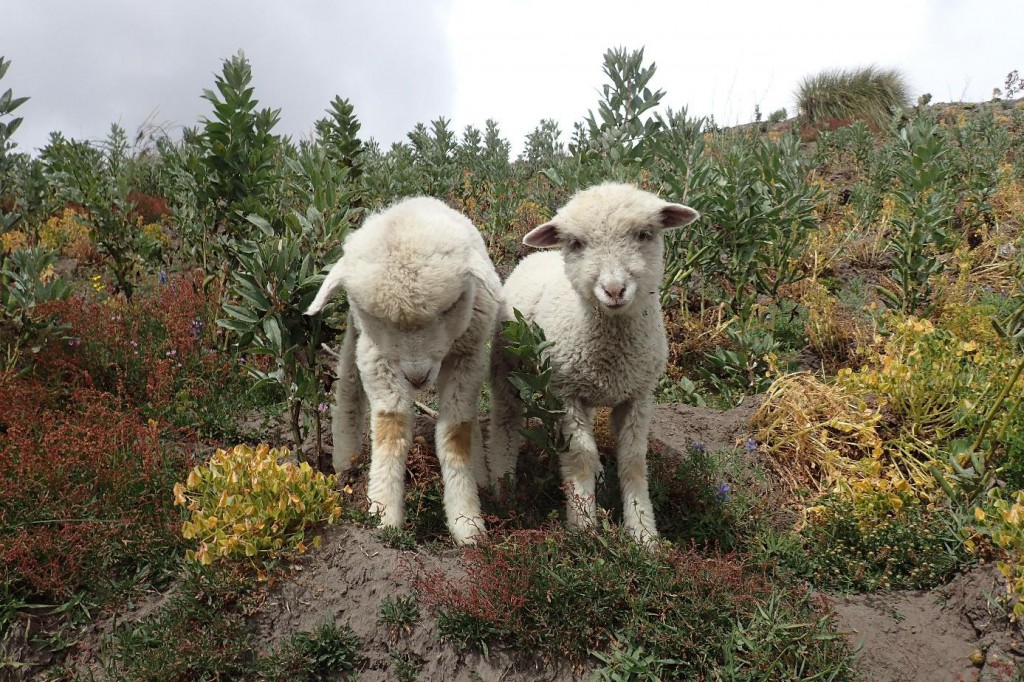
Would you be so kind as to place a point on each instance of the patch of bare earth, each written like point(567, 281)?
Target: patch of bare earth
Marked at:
point(930, 636)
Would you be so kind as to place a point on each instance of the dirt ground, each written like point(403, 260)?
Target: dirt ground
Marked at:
point(909, 636)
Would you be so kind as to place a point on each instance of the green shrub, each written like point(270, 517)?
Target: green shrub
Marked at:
point(867, 94)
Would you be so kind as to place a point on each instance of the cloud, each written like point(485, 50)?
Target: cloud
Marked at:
point(86, 65)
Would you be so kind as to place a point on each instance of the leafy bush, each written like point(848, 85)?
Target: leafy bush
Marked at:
point(27, 281)
point(923, 228)
point(243, 505)
point(68, 234)
point(758, 209)
point(526, 342)
point(8, 103)
point(838, 96)
point(276, 279)
point(238, 154)
point(95, 177)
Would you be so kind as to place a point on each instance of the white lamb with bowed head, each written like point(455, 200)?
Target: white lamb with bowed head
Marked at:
point(597, 299)
point(423, 296)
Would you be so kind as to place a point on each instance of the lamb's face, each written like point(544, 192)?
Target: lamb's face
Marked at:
point(414, 349)
point(612, 244)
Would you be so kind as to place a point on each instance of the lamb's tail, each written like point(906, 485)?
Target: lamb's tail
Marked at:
point(331, 284)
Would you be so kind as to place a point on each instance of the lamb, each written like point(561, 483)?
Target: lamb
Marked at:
point(597, 300)
point(423, 297)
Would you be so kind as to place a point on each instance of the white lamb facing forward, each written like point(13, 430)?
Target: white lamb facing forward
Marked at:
point(423, 296)
point(597, 299)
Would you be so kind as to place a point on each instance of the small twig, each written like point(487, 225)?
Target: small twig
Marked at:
point(330, 351)
point(426, 410)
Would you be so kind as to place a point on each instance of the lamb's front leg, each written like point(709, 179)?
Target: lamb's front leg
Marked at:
point(580, 464)
point(632, 424)
point(391, 421)
point(392, 434)
point(459, 446)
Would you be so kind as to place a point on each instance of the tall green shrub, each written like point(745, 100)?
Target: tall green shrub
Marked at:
point(238, 159)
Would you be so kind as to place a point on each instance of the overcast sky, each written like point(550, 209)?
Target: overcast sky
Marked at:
point(88, 64)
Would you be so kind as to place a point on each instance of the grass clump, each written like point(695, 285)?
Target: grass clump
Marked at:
point(871, 539)
point(244, 505)
point(837, 96)
point(198, 634)
point(315, 656)
point(399, 613)
point(570, 594)
point(708, 499)
point(201, 634)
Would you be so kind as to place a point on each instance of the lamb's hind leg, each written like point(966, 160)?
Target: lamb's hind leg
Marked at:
point(580, 465)
point(632, 424)
point(348, 415)
point(459, 386)
point(506, 420)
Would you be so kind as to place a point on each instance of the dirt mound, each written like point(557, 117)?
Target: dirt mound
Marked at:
point(679, 426)
point(929, 636)
point(346, 580)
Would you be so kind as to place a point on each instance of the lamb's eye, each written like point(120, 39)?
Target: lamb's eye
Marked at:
point(574, 244)
point(644, 236)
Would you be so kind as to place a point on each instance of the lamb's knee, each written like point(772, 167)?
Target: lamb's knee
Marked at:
point(391, 433)
point(457, 443)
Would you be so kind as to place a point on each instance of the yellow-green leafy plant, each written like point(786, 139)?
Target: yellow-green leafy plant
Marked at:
point(12, 241)
point(244, 505)
point(67, 234)
point(929, 384)
point(1002, 521)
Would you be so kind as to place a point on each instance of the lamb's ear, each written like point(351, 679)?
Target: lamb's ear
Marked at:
point(672, 216)
point(543, 237)
point(335, 280)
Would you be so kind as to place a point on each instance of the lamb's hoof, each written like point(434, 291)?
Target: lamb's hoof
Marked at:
point(390, 516)
point(504, 489)
point(645, 537)
point(466, 531)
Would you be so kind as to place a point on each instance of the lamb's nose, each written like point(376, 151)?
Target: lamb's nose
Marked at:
point(615, 291)
point(418, 380)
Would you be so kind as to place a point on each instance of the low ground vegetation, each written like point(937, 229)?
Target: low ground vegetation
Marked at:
point(867, 289)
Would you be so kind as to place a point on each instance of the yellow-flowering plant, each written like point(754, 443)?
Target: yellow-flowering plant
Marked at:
point(244, 505)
